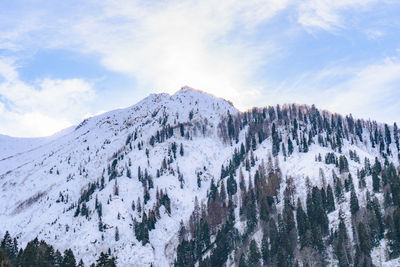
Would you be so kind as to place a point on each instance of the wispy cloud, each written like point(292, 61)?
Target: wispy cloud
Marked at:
point(223, 47)
point(369, 91)
point(204, 44)
point(375, 86)
point(328, 15)
point(41, 108)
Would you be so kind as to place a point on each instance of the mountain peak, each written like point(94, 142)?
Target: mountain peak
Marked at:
point(201, 96)
point(187, 90)
point(186, 87)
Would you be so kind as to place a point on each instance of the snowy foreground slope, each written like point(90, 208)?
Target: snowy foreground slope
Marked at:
point(174, 143)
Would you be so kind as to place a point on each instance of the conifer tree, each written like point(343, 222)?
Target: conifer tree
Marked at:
point(275, 141)
point(69, 259)
point(396, 136)
point(354, 207)
point(302, 225)
point(393, 233)
point(305, 145)
point(242, 261)
point(139, 206)
point(104, 260)
point(379, 218)
point(265, 249)
point(375, 181)
point(342, 245)
point(388, 136)
point(330, 201)
point(289, 227)
point(7, 246)
point(231, 186)
point(339, 190)
point(290, 147)
point(198, 180)
point(274, 237)
point(250, 209)
point(254, 254)
point(116, 234)
point(363, 250)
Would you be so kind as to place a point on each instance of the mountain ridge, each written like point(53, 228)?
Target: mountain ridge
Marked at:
point(177, 144)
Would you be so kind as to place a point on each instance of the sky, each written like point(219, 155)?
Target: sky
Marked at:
point(63, 61)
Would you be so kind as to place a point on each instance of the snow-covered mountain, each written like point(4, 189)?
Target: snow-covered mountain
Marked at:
point(136, 181)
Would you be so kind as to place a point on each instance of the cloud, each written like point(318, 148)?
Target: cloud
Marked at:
point(204, 44)
point(367, 91)
point(162, 45)
point(41, 108)
point(222, 47)
point(328, 15)
point(6, 70)
point(375, 86)
point(374, 34)
point(214, 45)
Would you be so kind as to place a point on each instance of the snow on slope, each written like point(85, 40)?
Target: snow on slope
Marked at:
point(10, 146)
point(32, 182)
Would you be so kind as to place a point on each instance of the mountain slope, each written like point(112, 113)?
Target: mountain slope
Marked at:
point(33, 181)
point(82, 190)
